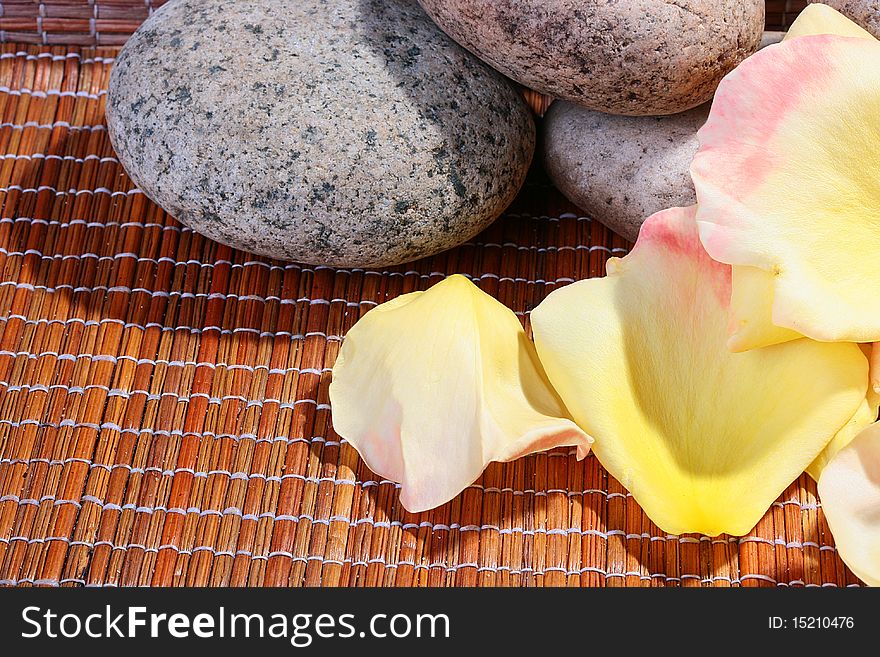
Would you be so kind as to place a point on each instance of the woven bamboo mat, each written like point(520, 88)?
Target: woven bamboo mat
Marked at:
point(164, 417)
point(73, 22)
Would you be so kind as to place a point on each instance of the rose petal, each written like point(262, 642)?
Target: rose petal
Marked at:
point(849, 489)
point(752, 288)
point(432, 386)
point(788, 180)
point(751, 310)
point(821, 19)
point(865, 415)
point(874, 360)
point(705, 439)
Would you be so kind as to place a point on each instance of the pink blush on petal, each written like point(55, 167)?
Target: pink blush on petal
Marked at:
point(675, 231)
point(753, 103)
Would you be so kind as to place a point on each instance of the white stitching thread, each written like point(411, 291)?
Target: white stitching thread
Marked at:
point(185, 399)
point(21, 54)
point(179, 398)
point(508, 569)
point(168, 363)
point(291, 266)
point(110, 426)
point(40, 582)
point(61, 225)
point(52, 92)
point(73, 192)
point(50, 126)
point(548, 249)
point(101, 159)
point(786, 544)
point(185, 295)
point(170, 329)
point(197, 475)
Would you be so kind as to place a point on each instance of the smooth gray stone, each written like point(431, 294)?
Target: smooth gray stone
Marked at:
point(634, 57)
point(622, 169)
point(347, 132)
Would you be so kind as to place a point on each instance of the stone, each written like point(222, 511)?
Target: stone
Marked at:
point(622, 169)
point(351, 133)
point(770, 38)
point(639, 57)
point(864, 12)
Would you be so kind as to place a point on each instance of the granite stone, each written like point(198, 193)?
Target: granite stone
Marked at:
point(639, 57)
point(864, 12)
point(622, 169)
point(339, 132)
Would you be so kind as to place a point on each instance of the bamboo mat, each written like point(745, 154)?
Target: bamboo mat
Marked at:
point(164, 417)
point(73, 22)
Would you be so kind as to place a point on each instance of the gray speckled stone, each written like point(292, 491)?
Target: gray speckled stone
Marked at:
point(864, 12)
point(339, 132)
point(622, 169)
point(638, 57)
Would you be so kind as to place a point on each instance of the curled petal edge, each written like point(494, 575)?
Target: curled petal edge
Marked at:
point(432, 386)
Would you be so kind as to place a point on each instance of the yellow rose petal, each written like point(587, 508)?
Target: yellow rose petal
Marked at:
point(865, 415)
point(788, 180)
point(705, 439)
point(432, 386)
point(849, 489)
point(751, 311)
point(819, 18)
point(752, 289)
